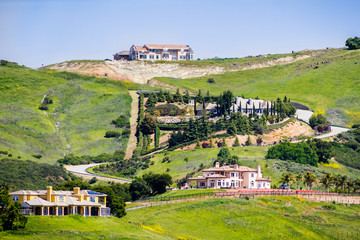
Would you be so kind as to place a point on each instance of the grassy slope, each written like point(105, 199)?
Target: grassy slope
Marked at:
point(334, 86)
point(249, 156)
point(83, 107)
point(261, 218)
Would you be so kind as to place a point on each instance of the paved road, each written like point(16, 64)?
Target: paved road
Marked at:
point(82, 170)
point(305, 115)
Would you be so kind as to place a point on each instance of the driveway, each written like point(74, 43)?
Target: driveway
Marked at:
point(305, 115)
point(81, 170)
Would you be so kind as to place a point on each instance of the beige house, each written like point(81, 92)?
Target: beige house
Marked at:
point(59, 203)
point(232, 176)
point(154, 52)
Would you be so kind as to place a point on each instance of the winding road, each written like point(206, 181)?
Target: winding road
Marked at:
point(305, 115)
point(81, 170)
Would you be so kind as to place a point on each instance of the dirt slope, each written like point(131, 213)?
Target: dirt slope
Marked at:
point(142, 72)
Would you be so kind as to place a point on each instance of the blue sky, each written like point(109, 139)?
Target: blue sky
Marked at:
point(36, 32)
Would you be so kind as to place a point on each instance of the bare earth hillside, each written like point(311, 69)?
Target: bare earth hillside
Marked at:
point(142, 72)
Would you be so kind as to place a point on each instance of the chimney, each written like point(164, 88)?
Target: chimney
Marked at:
point(259, 172)
point(236, 166)
point(76, 190)
point(217, 164)
point(48, 193)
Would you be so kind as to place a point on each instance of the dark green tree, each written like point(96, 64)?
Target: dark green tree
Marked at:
point(139, 189)
point(148, 125)
point(353, 43)
point(10, 216)
point(157, 182)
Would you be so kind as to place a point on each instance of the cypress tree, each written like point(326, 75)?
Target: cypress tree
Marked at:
point(224, 142)
point(236, 143)
point(197, 144)
point(212, 143)
point(195, 107)
point(157, 136)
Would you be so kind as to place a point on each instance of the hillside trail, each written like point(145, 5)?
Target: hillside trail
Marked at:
point(133, 122)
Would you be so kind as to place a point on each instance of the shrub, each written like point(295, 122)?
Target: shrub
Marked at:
point(43, 107)
point(112, 134)
point(205, 145)
point(38, 156)
point(186, 159)
point(329, 206)
point(93, 180)
point(211, 80)
point(120, 121)
point(126, 133)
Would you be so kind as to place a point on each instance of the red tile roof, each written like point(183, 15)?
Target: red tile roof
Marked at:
point(161, 46)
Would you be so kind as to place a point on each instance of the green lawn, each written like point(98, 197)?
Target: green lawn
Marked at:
point(75, 123)
point(333, 87)
point(260, 218)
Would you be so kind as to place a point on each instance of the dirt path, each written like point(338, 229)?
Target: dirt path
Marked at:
point(133, 118)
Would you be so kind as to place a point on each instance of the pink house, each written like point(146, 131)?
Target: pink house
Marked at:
point(232, 176)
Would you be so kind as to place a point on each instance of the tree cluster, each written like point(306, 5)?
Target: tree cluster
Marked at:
point(319, 123)
point(10, 216)
point(311, 152)
point(353, 43)
point(149, 184)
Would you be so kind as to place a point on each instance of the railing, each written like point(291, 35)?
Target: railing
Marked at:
point(256, 193)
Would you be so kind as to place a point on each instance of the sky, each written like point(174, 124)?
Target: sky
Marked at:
point(41, 32)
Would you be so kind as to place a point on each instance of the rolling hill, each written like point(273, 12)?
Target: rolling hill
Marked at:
point(82, 110)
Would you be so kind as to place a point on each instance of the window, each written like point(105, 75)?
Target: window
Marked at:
point(165, 55)
point(232, 174)
point(219, 183)
point(92, 199)
point(252, 175)
point(61, 198)
point(157, 50)
point(252, 184)
point(174, 51)
point(151, 56)
point(157, 56)
point(182, 57)
point(15, 198)
point(263, 184)
point(59, 211)
point(143, 56)
point(212, 173)
point(191, 56)
point(173, 58)
point(45, 211)
point(202, 184)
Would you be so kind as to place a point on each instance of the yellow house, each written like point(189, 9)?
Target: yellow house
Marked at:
point(60, 203)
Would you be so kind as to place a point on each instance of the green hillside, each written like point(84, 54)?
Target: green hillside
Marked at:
point(76, 122)
point(327, 81)
point(248, 156)
point(260, 218)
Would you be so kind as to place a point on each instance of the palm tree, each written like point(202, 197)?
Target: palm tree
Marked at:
point(337, 180)
point(356, 186)
point(327, 180)
point(309, 179)
point(286, 178)
point(298, 179)
point(350, 184)
point(342, 181)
